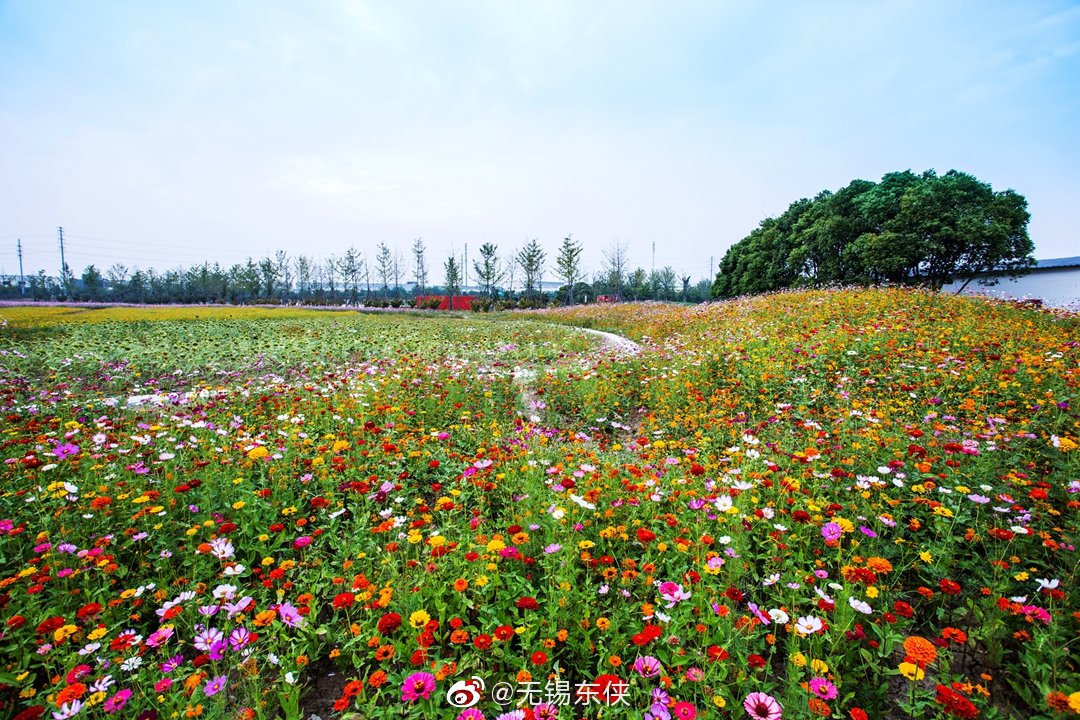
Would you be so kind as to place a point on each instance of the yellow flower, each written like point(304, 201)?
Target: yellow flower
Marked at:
point(912, 671)
point(1074, 701)
point(1021, 576)
point(63, 633)
point(419, 619)
point(871, 592)
point(97, 633)
point(586, 544)
point(819, 666)
point(925, 556)
point(257, 452)
point(798, 660)
point(719, 701)
point(238, 505)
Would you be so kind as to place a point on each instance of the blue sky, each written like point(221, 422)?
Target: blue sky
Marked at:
point(168, 133)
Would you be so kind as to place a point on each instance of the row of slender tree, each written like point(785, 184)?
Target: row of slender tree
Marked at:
point(390, 279)
point(907, 229)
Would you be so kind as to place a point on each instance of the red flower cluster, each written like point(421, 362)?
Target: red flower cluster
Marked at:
point(956, 704)
point(647, 635)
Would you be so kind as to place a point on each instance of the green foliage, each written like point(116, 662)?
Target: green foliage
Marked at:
point(908, 229)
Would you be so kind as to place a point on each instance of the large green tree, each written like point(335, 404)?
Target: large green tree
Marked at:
point(913, 229)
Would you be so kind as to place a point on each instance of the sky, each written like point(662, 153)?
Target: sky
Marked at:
point(166, 134)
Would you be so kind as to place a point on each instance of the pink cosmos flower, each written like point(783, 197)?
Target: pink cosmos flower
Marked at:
point(760, 706)
point(673, 593)
point(214, 686)
point(647, 666)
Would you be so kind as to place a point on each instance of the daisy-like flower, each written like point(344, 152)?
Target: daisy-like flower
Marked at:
point(673, 593)
point(808, 625)
point(860, 605)
point(823, 688)
point(206, 639)
point(647, 666)
point(214, 686)
point(831, 531)
point(416, 686)
point(760, 706)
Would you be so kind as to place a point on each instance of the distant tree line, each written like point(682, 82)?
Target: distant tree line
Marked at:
point(907, 229)
point(521, 278)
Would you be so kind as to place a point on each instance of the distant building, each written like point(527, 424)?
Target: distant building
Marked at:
point(1056, 282)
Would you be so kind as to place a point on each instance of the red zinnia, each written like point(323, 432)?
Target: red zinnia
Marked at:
point(645, 536)
point(528, 603)
point(539, 657)
point(388, 623)
point(956, 704)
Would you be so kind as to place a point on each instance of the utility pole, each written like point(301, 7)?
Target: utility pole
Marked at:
point(654, 256)
point(22, 280)
point(711, 266)
point(63, 265)
point(465, 265)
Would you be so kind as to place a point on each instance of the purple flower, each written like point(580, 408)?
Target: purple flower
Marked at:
point(214, 686)
point(290, 615)
point(63, 452)
point(831, 532)
point(552, 548)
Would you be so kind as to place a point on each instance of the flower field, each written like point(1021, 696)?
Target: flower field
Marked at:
point(851, 504)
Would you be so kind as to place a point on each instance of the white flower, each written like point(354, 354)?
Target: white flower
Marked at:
point(582, 502)
point(859, 605)
point(779, 616)
point(808, 625)
point(1047, 584)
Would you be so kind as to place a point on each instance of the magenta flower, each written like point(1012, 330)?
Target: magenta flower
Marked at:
point(823, 688)
point(647, 666)
point(673, 593)
point(760, 706)
point(117, 701)
point(63, 452)
point(470, 714)
point(302, 541)
point(416, 686)
point(214, 686)
point(831, 531)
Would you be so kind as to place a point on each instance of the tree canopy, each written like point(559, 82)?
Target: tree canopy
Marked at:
point(911, 229)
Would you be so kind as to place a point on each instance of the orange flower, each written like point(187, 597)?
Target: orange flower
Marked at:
point(954, 635)
point(920, 650)
point(879, 565)
point(75, 691)
point(461, 584)
point(385, 652)
point(377, 679)
point(265, 617)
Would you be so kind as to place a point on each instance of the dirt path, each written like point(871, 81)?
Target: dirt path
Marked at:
point(531, 405)
point(615, 342)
